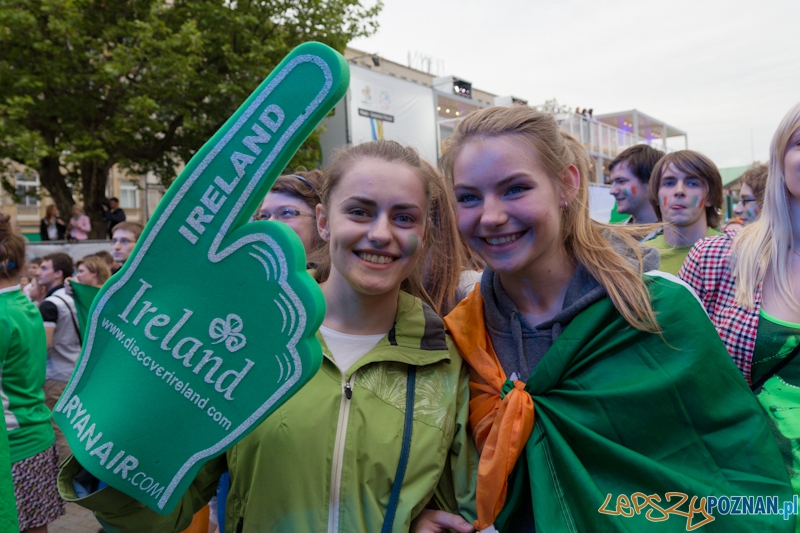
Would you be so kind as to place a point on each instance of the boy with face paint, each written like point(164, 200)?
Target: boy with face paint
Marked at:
point(686, 192)
point(630, 174)
point(751, 195)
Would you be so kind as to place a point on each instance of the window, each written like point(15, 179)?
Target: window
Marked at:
point(128, 194)
point(28, 189)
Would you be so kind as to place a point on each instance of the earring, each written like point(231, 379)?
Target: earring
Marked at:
point(564, 204)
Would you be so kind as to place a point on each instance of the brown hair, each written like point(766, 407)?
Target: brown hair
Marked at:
point(62, 262)
point(303, 185)
point(755, 177)
point(97, 266)
point(442, 266)
point(132, 227)
point(639, 160)
point(693, 164)
point(106, 256)
point(587, 241)
point(437, 239)
point(12, 249)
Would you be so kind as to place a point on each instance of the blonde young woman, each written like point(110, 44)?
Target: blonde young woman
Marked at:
point(749, 286)
point(596, 385)
point(327, 459)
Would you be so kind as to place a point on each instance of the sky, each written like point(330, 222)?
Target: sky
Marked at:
point(725, 72)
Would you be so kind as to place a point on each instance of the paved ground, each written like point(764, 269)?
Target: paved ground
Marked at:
point(77, 520)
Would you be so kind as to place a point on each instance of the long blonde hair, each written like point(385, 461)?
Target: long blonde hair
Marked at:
point(587, 241)
point(768, 242)
point(439, 235)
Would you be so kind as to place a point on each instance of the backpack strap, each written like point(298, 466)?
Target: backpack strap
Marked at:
point(394, 498)
point(74, 320)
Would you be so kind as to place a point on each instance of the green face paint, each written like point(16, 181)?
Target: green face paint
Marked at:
point(176, 369)
point(413, 245)
point(696, 201)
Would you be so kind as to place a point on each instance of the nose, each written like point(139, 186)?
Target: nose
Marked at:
point(494, 214)
point(738, 208)
point(679, 190)
point(380, 231)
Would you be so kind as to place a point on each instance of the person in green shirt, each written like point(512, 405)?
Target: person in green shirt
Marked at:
point(23, 355)
point(686, 192)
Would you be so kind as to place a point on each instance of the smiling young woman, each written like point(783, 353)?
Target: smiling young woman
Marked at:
point(377, 440)
point(620, 361)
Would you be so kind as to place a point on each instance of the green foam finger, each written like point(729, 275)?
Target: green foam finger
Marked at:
point(210, 324)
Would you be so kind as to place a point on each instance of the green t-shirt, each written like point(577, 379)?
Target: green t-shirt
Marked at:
point(23, 357)
point(8, 512)
point(672, 257)
point(780, 395)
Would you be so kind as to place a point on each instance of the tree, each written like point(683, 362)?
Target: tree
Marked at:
point(89, 84)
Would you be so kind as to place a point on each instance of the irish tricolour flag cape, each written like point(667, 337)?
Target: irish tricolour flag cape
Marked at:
point(626, 424)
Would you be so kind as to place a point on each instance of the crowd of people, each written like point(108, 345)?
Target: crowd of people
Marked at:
point(493, 357)
point(53, 228)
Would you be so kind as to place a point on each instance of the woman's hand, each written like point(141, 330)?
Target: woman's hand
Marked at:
point(67, 287)
point(430, 521)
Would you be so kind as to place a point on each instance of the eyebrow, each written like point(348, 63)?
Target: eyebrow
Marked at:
point(372, 203)
point(500, 184)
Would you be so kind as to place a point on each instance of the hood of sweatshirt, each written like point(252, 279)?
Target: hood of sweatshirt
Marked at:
point(520, 345)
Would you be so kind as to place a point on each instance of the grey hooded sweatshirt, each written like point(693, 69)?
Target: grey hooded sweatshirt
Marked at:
point(520, 346)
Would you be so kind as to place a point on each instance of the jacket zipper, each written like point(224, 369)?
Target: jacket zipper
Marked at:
point(338, 453)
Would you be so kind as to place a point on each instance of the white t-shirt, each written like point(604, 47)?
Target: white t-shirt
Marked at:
point(58, 311)
point(346, 349)
point(466, 282)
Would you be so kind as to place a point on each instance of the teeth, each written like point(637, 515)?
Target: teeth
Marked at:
point(379, 259)
point(503, 240)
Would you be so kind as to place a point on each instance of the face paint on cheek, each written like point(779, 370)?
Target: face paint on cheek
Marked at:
point(664, 201)
point(413, 246)
point(696, 200)
point(750, 213)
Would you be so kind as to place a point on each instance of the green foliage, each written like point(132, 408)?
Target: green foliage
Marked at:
point(87, 84)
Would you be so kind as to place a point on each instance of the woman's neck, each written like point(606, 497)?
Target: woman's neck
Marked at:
point(349, 311)
point(539, 291)
point(8, 282)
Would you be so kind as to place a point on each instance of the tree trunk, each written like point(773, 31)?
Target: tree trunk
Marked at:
point(56, 184)
point(94, 178)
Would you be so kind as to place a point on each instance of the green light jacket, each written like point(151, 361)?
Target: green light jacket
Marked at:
point(285, 474)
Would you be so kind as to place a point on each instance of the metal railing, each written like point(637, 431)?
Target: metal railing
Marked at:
point(27, 213)
point(599, 139)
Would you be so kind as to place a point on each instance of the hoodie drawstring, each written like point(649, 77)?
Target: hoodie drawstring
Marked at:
point(516, 333)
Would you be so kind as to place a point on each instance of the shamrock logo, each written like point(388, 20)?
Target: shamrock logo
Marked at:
point(228, 330)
